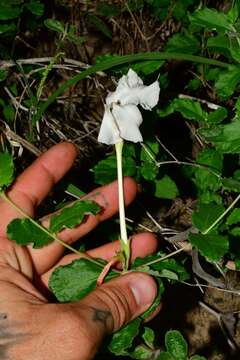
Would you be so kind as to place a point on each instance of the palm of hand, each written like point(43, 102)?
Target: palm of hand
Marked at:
point(30, 326)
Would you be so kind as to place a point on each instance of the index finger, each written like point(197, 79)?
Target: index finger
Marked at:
point(33, 185)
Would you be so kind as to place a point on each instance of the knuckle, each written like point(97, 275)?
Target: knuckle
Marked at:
point(120, 302)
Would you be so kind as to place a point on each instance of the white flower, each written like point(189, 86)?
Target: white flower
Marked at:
point(122, 117)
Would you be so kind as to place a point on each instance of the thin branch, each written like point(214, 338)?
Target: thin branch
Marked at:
point(230, 291)
point(177, 162)
point(223, 325)
point(164, 257)
point(221, 216)
point(47, 232)
point(42, 60)
point(140, 225)
point(138, 28)
point(209, 104)
point(12, 136)
point(14, 101)
point(166, 149)
point(162, 230)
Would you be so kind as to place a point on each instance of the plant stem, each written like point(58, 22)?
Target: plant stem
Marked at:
point(122, 218)
point(46, 231)
point(221, 216)
point(155, 261)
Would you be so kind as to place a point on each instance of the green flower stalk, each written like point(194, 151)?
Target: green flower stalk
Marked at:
point(125, 243)
point(121, 121)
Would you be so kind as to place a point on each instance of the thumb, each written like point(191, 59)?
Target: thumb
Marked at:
point(114, 304)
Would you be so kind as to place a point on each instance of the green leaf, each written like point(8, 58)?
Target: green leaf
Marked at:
point(235, 231)
point(166, 188)
point(235, 54)
point(143, 67)
point(219, 44)
point(152, 147)
point(106, 170)
point(159, 8)
point(74, 191)
point(211, 246)
point(231, 184)
point(123, 339)
point(6, 169)
point(24, 232)
point(226, 138)
point(5, 28)
point(73, 215)
point(204, 178)
point(100, 25)
point(176, 345)
point(168, 264)
point(9, 113)
point(8, 12)
point(227, 81)
point(36, 7)
point(54, 25)
point(164, 355)
point(180, 8)
point(198, 357)
point(75, 39)
point(149, 170)
point(3, 72)
point(211, 19)
point(194, 84)
point(141, 352)
point(156, 302)
point(168, 274)
point(236, 175)
point(237, 107)
point(217, 116)
point(147, 67)
point(180, 43)
point(205, 215)
point(209, 197)
point(233, 13)
point(148, 336)
point(74, 281)
point(234, 217)
point(189, 109)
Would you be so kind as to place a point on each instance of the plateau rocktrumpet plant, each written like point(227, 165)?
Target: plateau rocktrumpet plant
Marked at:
point(121, 121)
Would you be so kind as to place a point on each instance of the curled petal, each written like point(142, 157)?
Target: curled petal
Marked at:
point(128, 118)
point(149, 95)
point(130, 80)
point(146, 96)
point(127, 90)
point(109, 133)
point(124, 96)
point(122, 118)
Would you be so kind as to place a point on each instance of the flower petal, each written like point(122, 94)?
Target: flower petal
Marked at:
point(109, 133)
point(149, 95)
point(128, 118)
point(122, 118)
point(130, 80)
point(127, 90)
point(138, 94)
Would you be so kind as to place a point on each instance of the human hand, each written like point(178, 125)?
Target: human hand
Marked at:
point(31, 328)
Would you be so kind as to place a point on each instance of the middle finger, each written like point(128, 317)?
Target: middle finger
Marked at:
point(107, 197)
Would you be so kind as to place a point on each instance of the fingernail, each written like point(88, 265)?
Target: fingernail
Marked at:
point(144, 290)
